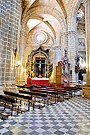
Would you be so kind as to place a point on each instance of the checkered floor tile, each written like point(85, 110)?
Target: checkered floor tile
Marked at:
point(71, 117)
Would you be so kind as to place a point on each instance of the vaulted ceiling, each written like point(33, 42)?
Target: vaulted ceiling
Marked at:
point(46, 16)
point(45, 21)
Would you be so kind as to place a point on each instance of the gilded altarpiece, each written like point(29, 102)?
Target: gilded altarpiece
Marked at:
point(38, 64)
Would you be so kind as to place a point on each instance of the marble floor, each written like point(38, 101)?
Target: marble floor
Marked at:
point(71, 117)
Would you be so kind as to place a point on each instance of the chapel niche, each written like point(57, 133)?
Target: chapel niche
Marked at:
point(38, 64)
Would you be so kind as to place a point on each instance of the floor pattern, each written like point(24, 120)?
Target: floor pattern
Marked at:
point(71, 117)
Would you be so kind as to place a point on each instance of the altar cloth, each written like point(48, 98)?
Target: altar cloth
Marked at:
point(40, 81)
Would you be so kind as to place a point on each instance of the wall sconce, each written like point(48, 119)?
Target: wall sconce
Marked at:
point(82, 63)
point(25, 70)
point(18, 63)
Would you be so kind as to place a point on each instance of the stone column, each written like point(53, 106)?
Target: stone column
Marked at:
point(72, 46)
point(86, 90)
point(72, 53)
point(21, 53)
point(64, 43)
point(9, 18)
point(57, 54)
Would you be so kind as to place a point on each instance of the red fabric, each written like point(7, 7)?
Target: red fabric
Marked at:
point(40, 58)
point(40, 82)
point(28, 81)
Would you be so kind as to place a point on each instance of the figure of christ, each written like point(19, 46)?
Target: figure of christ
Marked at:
point(40, 69)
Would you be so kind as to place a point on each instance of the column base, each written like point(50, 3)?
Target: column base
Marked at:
point(86, 92)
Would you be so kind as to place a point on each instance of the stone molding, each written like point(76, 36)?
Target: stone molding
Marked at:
point(69, 32)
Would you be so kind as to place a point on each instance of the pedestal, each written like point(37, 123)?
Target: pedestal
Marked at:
point(86, 92)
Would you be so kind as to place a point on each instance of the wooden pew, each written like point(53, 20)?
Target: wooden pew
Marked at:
point(35, 94)
point(10, 103)
point(42, 93)
point(29, 87)
point(55, 93)
point(51, 92)
point(72, 89)
point(20, 97)
point(62, 92)
point(3, 114)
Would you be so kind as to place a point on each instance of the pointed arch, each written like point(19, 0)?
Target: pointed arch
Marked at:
point(62, 7)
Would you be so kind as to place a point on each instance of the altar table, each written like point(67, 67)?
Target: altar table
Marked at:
point(40, 81)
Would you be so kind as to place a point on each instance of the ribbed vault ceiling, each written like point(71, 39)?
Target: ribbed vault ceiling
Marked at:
point(47, 13)
point(37, 18)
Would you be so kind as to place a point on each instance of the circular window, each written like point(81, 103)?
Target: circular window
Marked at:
point(40, 38)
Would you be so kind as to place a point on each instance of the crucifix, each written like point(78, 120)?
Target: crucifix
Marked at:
point(40, 69)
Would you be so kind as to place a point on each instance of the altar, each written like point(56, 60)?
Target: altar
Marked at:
point(40, 81)
point(38, 67)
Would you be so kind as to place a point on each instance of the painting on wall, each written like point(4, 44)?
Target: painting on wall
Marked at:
point(81, 44)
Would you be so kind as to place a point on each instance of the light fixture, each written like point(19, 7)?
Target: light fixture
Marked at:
point(25, 70)
point(18, 63)
point(82, 63)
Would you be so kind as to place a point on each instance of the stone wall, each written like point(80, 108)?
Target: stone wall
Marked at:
point(9, 22)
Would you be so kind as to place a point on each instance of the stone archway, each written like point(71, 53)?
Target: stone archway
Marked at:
point(54, 37)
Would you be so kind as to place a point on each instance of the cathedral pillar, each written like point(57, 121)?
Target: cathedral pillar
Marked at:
point(72, 53)
point(9, 22)
point(21, 73)
point(72, 45)
point(86, 90)
point(64, 43)
point(69, 42)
